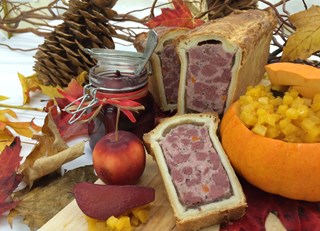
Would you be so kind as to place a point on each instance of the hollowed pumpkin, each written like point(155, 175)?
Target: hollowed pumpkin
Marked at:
point(291, 170)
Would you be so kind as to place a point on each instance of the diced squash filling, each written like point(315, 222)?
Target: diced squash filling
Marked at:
point(291, 118)
point(125, 222)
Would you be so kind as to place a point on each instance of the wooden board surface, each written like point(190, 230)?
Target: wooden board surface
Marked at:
point(161, 216)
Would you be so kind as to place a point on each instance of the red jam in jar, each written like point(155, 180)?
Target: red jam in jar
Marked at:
point(120, 84)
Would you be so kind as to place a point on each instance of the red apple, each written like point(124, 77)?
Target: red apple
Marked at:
point(119, 161)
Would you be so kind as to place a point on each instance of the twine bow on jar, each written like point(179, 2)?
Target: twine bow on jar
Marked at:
point(94, 99)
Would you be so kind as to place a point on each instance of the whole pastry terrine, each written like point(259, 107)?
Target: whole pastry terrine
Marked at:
point(221, 58)
point(201, 185)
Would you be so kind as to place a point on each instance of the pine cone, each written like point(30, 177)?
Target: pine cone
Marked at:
point(61, 57)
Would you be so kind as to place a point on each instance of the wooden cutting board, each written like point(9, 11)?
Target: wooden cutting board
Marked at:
point(161, 218)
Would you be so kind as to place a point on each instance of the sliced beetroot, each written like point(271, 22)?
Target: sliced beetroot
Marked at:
point(103, 201)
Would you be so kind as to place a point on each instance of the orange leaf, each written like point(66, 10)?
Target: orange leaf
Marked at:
point(24, 128)
point(180, 16)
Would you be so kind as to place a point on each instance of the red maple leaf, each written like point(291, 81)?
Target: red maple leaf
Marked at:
point(67, 131)
point(9, 179)
point(61, 117)
point(294, 215)
point(180, 16)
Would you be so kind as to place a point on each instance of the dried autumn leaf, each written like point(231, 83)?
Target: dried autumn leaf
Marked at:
point(48, 164)
point(81, 78)
point(28, 84)
point(180, 16)
point(2, 97)
point(27, 129)
point(73, 91)
point(68, 131)
point(61, 117)
point(48, 196)
point(50, 91)
point(9, 162)
point(49, 153)
point(6, 138)
point(306, 39)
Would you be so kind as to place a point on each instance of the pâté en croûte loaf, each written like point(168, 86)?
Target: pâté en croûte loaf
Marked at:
point(201, 185)
point(220, 58)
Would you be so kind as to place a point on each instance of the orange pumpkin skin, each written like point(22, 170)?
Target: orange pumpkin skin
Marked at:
point(291, 170)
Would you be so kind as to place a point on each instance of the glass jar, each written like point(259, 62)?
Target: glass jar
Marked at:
point(115, 78)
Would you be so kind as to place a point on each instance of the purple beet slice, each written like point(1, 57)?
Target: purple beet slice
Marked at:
point(103, 201)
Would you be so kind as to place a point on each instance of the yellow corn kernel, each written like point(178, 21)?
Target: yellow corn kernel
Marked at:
point(248, 108)
point(112, 223)
point(290, 129)
point(273, 132)
point(245, 99)
point(276, 101)
point(124, 224)
point(91, 223)
point(310, 138)
point(272, 119)
point(303, 111)
point(297, 102)
point(293, 92)
point(134, 221)
point(307, 101)
point(315, 106)
point(292, 113)
point(95, 225)
point(249, 119)
point(261, 112)
point(142, 214)
point(284, 122)
point(259, 129)
point(287, 99)
point(282, 109)
point(263, 100)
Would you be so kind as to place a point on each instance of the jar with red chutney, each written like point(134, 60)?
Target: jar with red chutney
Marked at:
point(116, 97)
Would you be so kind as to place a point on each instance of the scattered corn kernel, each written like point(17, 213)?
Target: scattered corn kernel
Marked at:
point(125, 222)
point(141, 213)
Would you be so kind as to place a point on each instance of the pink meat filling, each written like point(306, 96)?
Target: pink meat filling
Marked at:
point(208, 77)
point(194, 165)
point(170, 66)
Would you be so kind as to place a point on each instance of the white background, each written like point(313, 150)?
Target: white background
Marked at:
point(12, 62)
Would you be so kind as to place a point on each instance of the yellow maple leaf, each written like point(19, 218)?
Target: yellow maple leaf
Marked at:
point(29, 83)
point(6, 138)
point(81, 78)
point(51, 91)
point(2, 97)
point(27, 129)
point(4, 113)
point(306, 39)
